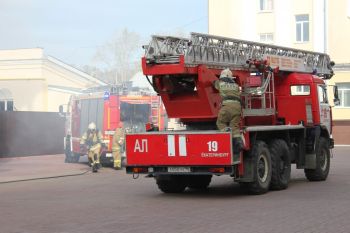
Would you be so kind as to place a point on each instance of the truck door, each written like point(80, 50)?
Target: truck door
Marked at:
point(325, 111)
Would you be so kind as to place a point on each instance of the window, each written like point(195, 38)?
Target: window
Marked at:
point(266, 5)
point(322, 94)
point(266, 38)
point(344, 94)
point(302, 28)
point(300, 90)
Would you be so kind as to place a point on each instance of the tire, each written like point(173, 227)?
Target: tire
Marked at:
point(75, 158)
point(171, 183)
point(281, 165)
point(199, 182)
point(71, 157)
point(321, 171)
point(262, 169)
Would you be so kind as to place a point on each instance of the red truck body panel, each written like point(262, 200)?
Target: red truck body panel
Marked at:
point(179, 148)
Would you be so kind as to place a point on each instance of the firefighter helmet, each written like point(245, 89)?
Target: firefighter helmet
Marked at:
point(92, 126)
point(226, 73)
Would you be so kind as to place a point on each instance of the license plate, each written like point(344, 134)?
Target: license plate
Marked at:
point(108, 155)
point(179, 169)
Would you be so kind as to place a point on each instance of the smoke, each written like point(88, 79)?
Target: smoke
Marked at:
point(31, 133)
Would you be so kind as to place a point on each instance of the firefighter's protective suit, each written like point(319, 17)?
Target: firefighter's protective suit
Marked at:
point(117, 146)
point(230, 111)
point(92, 140)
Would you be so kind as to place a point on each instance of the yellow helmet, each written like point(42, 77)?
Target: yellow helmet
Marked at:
point(226, 73)
point(92, 126)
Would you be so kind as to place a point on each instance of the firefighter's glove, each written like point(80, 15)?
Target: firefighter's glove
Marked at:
point(227, 129)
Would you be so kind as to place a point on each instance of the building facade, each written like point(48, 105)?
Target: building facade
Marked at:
point(32, 81)
point(316, 25)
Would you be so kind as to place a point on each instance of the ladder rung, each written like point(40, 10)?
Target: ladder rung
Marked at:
point(221, 52)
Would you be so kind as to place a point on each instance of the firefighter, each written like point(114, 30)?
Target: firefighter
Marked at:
point(92, 141)
point(230, 111)
point(117, 146)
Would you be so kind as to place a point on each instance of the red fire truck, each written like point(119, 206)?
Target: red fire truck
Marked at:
point(106, 109)
point(286, 116)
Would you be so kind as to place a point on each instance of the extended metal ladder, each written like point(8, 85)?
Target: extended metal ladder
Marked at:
point(155, 110)
point(221, 52)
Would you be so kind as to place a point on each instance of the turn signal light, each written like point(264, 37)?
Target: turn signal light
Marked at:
point(217, 170)
point(139, 169)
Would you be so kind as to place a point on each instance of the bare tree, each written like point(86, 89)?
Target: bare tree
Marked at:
point(117, 58)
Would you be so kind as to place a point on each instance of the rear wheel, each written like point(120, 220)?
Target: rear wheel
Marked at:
point(281, 165)
point(262, 169)
point(322, 162)
point(171, 183)
point(199, 181)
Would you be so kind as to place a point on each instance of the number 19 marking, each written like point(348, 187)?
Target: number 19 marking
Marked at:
point(212, 146)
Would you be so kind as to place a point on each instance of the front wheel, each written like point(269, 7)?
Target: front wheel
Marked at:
point(322, 162)
point(262, 169)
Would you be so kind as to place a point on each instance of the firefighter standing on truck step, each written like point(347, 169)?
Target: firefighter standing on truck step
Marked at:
point(92, 141)
point(118, 143)
point(230, 111)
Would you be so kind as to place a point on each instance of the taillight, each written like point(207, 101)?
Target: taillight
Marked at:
point(139, 169)
point(217, 169)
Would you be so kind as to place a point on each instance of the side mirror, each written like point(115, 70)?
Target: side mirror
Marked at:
point(60, 109)
point(336, 96)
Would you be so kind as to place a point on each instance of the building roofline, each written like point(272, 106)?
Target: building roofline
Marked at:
point(75, 70)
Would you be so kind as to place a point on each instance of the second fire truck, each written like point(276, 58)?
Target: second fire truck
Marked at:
point(106, 109)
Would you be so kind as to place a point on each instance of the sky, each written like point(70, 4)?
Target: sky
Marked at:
point(72, 30)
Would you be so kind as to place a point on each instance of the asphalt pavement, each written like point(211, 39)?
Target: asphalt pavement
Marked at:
point(78, 201)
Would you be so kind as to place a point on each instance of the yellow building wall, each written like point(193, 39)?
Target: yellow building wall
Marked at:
point(24, 79)
point(265, 22)
point(27, 74)
point(28, 95)
point(55, 99)
point(339, 113)
point(303, 7)
point(219, 23)
point(339, 31)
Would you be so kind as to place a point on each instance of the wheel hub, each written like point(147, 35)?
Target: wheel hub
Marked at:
point(262, 168)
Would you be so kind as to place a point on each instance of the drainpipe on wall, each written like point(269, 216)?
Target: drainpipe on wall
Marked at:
point(325, 26)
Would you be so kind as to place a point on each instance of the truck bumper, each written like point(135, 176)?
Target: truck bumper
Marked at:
point(181, 170)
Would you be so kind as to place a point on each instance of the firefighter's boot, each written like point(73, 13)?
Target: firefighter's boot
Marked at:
point(117, 164)
point(94, 167)
point(236, 144)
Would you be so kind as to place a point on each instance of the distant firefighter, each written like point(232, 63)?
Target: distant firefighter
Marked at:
point(118, 143)
point(92, 142)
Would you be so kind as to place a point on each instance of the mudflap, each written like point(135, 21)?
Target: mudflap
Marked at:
point(248, 169)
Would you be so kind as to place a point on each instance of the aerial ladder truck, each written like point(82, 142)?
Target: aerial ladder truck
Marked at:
point(286, 116)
